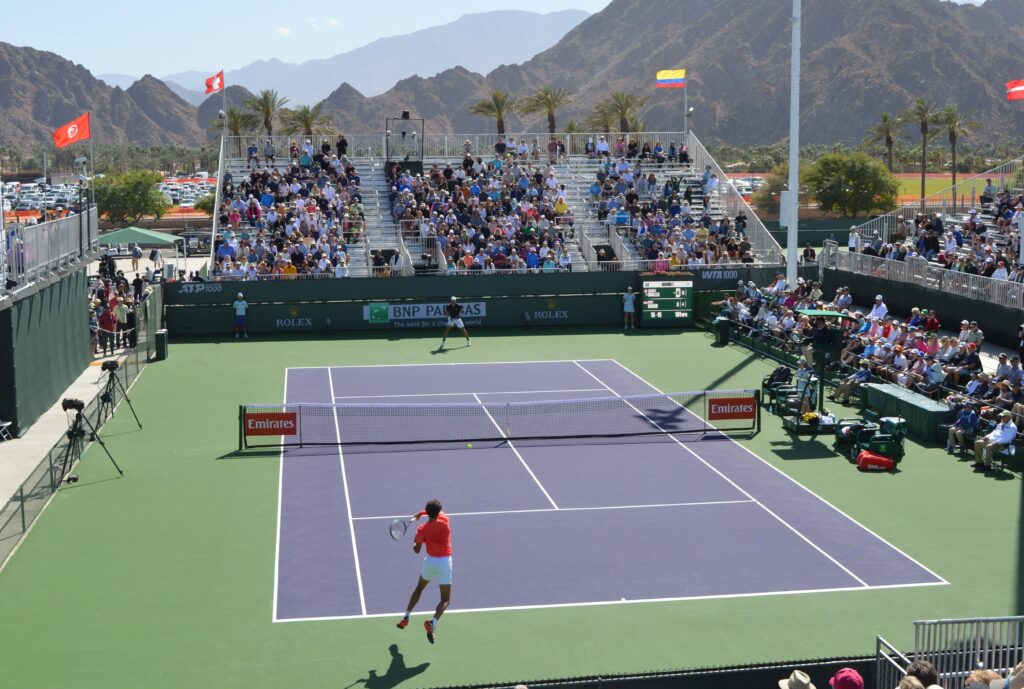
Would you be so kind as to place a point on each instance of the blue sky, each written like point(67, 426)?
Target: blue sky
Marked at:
point(138, 37)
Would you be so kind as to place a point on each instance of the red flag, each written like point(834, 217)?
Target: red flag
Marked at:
point(74, 131)
point(1015, 89)
point(215, 83)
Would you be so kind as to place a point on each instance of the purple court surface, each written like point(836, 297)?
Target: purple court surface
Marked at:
point(551, 523)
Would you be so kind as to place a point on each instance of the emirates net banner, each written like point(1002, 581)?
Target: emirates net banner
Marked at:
point(271, 423)
point(732, 408)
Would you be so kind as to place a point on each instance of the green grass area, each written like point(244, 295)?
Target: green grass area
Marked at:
point(910, 184)
point(165, 578)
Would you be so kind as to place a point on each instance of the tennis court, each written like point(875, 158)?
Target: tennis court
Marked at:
point(548, 523)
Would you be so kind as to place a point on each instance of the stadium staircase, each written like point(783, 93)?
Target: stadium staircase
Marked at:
point(579, 173)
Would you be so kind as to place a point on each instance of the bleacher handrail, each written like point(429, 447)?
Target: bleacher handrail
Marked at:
point(952, 199)
point(766, 249)
point(922, 272)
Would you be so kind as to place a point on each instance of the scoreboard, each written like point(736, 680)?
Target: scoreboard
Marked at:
point(666, 303)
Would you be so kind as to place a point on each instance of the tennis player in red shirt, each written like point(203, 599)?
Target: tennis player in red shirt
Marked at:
point(437, 565)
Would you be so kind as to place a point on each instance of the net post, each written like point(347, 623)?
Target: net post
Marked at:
point(241, 427)
point(704, 418)
point(508, 419)
point(757, 413)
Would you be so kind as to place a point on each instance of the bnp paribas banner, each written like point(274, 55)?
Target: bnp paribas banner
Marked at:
point(405, 315)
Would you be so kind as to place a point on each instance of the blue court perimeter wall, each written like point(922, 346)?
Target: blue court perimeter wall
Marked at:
point(44, 347)
point(417, 302)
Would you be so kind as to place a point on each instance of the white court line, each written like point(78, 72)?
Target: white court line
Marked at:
point(452, 363)
point(456, 394)
point(513, 448)
point(546, 606)
point(574, 509)
point(731, 482)
point(348, 503)
point(280, 498)
point(803, 487)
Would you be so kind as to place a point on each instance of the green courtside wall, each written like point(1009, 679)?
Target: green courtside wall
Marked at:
point(204, 308)
point(998, 322)
point(44, 347)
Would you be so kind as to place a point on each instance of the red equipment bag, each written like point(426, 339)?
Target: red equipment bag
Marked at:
point(870, 461)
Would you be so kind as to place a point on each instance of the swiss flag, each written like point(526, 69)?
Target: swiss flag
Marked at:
point(1015, 89)
point(215, 83)
point(74, 131)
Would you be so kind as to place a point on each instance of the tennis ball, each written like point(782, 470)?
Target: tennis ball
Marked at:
point(469, 446)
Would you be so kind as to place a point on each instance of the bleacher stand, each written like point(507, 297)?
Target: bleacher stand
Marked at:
point(508, 214)
point(285, 220)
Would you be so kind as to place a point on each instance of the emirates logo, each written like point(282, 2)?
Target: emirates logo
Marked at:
point(73, 131)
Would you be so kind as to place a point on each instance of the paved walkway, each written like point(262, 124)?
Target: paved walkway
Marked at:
point(20, 457)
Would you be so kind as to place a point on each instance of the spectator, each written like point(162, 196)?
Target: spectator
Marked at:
point(796, 680)
point(962, 429)
point(846, 678)
point(1002, 435)
point(879, 310)
point(852, 382)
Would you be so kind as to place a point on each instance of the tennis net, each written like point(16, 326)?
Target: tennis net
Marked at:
point(302, 424)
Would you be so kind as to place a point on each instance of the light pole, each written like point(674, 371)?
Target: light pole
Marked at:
point(793, 198)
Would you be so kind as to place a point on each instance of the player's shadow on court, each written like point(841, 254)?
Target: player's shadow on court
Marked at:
point(396, 673)
point(447, 348)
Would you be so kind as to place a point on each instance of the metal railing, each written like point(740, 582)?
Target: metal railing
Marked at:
point(922, 272)
point(958, 647)
point(890, 664)
point(445, 145)
point(22, 509)
point(586, 248)
point(29, 253)
point(765, 248)
point(958, 199)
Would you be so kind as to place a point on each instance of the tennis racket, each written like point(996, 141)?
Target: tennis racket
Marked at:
point(398, 527)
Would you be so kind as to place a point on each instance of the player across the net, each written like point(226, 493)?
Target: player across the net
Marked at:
point(301, 424)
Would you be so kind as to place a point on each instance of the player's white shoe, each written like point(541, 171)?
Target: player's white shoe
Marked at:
point(468, 343)
point(442, 345)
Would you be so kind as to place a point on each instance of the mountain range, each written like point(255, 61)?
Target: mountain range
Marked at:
point(860, 57)
point(374, 68)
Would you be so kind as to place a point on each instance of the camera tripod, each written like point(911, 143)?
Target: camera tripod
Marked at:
point(108, 398)
point(73, 452)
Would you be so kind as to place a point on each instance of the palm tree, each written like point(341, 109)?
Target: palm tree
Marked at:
point(602, 119)
point(497, 106)
point(625, 107)
point(266, 107)
point(923, 114)
point(237, 122)
point(886, 132)
point(956, 126)
point(307, 121)
point(546, 100)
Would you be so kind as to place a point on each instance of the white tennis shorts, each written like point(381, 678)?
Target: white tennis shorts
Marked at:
point(455, 323)
point(437, 569)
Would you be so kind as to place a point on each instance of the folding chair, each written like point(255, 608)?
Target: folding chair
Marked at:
point(5, 434)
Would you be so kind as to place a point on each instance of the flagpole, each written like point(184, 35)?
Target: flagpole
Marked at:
point(686, 116)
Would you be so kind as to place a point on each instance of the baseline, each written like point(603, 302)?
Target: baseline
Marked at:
point(873, 556)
